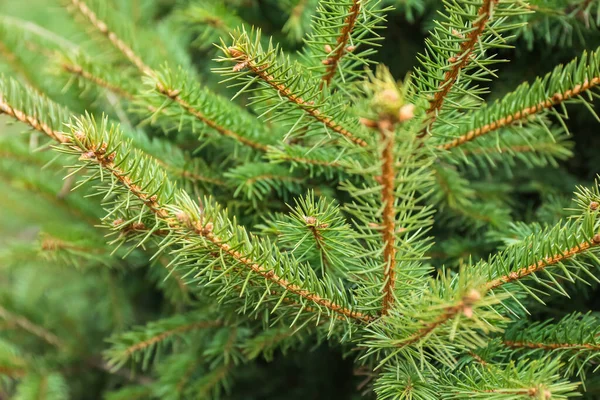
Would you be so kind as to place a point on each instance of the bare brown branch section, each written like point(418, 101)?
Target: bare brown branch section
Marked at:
point(119, 44)
point(556, 99)
point(180, 329)
point(458, 63)
point(246, 61)
point(389, 217)
point(546, 262)
point(97, 152)
point(341, 43)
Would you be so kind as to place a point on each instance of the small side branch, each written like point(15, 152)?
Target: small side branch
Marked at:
point(333, 62)
point(556, 99)
point(175, 96)
point(81, 72)
point(32, 328)
point(546, 262)
point(458, 63)
point(246, 61)
point(117, 42)
point(160, 337)
point(464, 306)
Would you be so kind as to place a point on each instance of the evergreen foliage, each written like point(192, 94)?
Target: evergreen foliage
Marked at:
point(239, 200)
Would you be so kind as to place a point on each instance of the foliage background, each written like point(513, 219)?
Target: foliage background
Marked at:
point(324, 373)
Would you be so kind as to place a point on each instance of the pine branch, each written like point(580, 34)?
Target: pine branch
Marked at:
point(544, 263)
point(176, 97)
point(32, 328)
point(542, 95)
point(79, 71)
point(573, 339)
point(125, 345)
point(99, 147)
point(82, 8)
point(158, 80)
point(551, 346)
point(459, 62)
point(31, 121)
point(285, 86)
point(245, 61)
point(538, 379)
point(341, 46)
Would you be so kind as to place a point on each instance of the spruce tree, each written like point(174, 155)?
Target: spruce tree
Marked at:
point(271, 199)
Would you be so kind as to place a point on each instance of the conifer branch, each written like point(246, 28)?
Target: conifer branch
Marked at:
point(464, 306)
point(163, 335)
point(97, 153)
point(458, 62)
point(117, 42)
point(550, 346)
point(246, 61)
point(174, 95)
point(554, 100)
point(341, 43)
point(31, 121)
point(79, 71)
point(32, 328)
point(388, 179)
point(546, 262)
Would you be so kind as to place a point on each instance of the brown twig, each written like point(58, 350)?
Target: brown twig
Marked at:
point(458, 63)
point(341, 43)
point(389, 216)
point(557, 98)
point(245, 61)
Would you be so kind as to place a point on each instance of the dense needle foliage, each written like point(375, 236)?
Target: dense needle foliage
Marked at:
point(299, 199)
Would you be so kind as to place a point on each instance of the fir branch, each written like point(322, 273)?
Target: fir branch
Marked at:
point(585, 76)
point(32, 328)
point(240, 54)
point(459, 62)
point(79, 71)
point(464, 306)
point(81, 7)
point(31, 120)
point(151, 341)
point(341, 46)
point(246, 61)
point(551, 346)
point(88, 142)
point(544, 263)
point(175, 96)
